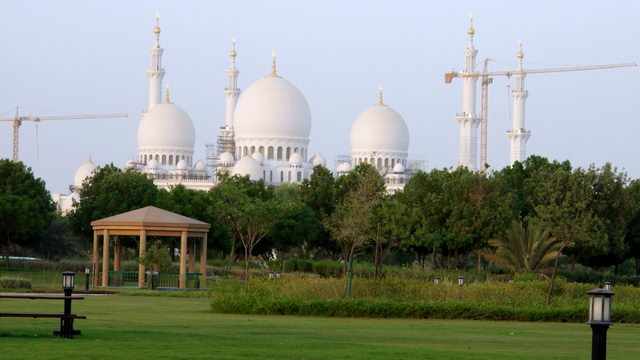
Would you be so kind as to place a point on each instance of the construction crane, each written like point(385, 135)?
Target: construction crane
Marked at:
point(487, 79)
point(17, 122)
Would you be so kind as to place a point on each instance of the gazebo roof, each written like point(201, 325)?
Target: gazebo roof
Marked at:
point(151, 218)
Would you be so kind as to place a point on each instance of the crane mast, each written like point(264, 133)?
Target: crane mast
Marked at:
point(17, 122)
point(486, 80)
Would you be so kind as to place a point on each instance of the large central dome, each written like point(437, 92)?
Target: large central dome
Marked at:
point(272, 108)
point(380, 128)
point(166, 126)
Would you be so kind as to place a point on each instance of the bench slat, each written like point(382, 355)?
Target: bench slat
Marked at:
point(56, 316)
point(36, 297)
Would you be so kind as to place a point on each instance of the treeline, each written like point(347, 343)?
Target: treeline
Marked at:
point(529, 217)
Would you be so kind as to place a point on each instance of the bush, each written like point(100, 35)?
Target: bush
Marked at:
point(14, 283)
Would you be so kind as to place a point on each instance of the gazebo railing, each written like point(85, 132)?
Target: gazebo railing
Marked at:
point(162, 279)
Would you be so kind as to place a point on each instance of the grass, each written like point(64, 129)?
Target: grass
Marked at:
point(144, 327)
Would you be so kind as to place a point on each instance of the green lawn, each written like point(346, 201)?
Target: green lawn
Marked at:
point(142, 327)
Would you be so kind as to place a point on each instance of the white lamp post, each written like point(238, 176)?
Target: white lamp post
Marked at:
point(436, 280)
point(461, 280)
point(599, 319)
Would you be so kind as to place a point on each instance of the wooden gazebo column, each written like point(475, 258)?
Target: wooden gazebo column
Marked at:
point(203, 262)
point(94, 262)
point(183, 260)
point(141, 254)
point(105, 258)
point(116, 255)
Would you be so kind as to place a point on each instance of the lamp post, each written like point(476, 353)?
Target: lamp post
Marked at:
point(68, 283)
point(461, 280)
point(607, 286)
point(87, 271)
point(436, 280)
point(599, 319)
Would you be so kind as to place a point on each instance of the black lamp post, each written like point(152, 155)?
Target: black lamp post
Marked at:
point(461, 280)
point(87, 271)
point(68, 283)
point(599, 319)
point(436, 280)
point(607, 286)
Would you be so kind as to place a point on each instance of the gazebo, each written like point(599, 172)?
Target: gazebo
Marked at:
point(150, 221)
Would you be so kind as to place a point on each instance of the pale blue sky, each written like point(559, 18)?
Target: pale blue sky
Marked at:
point(81, 57)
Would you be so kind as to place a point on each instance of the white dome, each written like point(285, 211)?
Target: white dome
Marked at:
point(226, 158)
point(295, 159)
point(272, 108)
point(398, 168)
point(200, 165)
point(182, 165)
point(379, 128)
point(84, 171)
point(248, 166)
point(319, 160)
point(166, 126)
point(153, 164)
point(258, 156)
point(344, 167)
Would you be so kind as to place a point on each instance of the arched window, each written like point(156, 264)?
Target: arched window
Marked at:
point(379, 163)
point(252, 150)
point(270, 175)
point(288, 153)
point(145, 159)
point(386, 162)
point(270, 153)
point(393, 162)
point(279, 157)
point(170, 159)
point(157, 158)
point(299, 176)
point(289, 177)
point(261, 150)
point(372, 162)
point(295, 150)
point(246, 151)
point(264, 174)
point(281, 176)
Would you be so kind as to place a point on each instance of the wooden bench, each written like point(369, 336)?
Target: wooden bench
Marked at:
point(66, 319)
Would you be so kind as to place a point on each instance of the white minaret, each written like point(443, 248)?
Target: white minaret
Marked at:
point(155, 72)
point(518, 136)
point(232, 92)
point(468, 119)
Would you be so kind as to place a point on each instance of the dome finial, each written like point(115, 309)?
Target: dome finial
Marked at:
point(471, 31)
point(167, 100)
point(520, 53)
point(274, 73)
point(380, 102)
point(156, 29)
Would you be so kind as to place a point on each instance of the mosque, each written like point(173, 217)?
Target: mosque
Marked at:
point(265, 137)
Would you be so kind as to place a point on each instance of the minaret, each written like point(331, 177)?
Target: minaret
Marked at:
point(468, 119)
point(231, 92)
point(155, 72)
point(518, 136)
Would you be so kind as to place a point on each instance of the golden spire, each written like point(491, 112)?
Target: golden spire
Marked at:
point(471, 31)
point(380, 102)
point(274, 73)
point(167, 100)
point(520, 53)
point(156, 29)
point(233, 49)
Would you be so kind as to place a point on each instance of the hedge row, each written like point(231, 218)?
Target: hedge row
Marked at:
point(14, 283)
point(386, 308)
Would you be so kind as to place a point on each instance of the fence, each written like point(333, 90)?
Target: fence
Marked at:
point(160, 280)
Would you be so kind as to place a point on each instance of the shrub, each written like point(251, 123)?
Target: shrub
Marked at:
point(14, 283)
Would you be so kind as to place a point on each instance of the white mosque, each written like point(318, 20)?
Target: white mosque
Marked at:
point(265, 137)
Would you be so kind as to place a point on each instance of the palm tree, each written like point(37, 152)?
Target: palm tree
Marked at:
point(525, 250)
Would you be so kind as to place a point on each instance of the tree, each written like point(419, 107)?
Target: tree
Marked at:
point(26, 207)
point(319, 194)
point(351, 224)
point(632, 237)
point(157, 257)
point(562, 204)
point(393, 226)
point(110, 191)
point(524, 250)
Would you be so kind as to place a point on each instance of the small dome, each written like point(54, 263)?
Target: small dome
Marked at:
point(319, 160)
point(129, 164)
point(344, 167)
point(166, 126)
point(182, 165)
point(258, 156)
point(272, 107)
point(379, 128)
point(153, 164)
point(226, 159)
point(248, 166)
point(295, 159)
point(398, 168)
point(84, 171)
point(200, 165)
